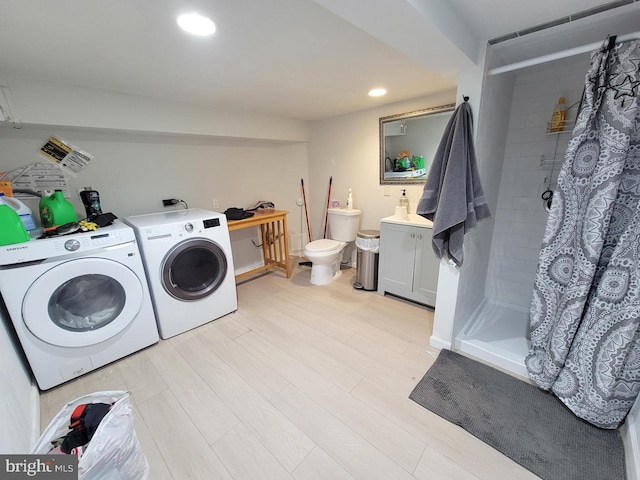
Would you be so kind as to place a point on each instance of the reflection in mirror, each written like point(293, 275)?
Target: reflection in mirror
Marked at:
point(408, 143)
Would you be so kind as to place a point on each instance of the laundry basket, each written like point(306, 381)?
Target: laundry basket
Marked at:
point(368, 243)
point(113, 453)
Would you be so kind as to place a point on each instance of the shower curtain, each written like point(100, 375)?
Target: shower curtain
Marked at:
point(585, 309)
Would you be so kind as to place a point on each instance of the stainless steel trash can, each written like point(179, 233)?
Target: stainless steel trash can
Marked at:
point(368, 243)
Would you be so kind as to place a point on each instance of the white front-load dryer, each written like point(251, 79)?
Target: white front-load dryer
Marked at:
point(77, 302)
point(189, 264)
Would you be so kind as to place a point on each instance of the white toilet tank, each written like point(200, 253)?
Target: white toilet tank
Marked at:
point(343, 224)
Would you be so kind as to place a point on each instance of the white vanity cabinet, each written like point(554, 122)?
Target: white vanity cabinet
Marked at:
point(407, 265)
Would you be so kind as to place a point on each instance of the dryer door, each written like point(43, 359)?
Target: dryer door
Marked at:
point(82, 302)
point(194, 269)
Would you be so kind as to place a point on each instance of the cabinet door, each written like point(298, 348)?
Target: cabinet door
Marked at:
point(427, 267)
point(397, 256)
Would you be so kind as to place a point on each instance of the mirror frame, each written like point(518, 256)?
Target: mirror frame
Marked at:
point(450, 107)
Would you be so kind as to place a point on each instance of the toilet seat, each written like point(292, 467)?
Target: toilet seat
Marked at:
point(325, 245)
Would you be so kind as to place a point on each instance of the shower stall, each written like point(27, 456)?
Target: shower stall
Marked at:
point(519, 160)
point(483, 309)
point(492, 325)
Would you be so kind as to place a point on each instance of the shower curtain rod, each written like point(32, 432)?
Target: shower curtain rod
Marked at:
point(558, 55)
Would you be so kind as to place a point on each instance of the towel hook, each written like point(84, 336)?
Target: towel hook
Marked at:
point(465, 98)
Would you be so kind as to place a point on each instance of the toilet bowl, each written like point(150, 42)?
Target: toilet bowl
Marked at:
point(326, 254)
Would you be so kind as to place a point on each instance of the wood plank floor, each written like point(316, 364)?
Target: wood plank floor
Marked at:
point(302, 382)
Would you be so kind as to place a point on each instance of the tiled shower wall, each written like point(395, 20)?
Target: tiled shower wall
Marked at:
point(520, 218)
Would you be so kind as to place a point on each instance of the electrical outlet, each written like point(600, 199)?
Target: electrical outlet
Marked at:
point(387, 192)
point(216, 205)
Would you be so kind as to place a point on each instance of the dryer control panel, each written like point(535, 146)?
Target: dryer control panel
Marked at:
point(211, 222)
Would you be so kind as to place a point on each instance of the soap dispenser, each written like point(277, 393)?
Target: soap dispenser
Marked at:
point(349, 200)
point(404, 201)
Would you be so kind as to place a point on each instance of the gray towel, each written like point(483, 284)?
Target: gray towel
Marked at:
point(452, 198)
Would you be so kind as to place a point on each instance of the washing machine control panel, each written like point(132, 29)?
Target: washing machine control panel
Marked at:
point(77, 243)
point(72, 245)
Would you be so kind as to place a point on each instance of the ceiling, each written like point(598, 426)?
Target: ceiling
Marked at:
point(301, 59)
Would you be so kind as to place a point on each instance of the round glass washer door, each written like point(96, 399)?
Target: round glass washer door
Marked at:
point(82, 302)
point(194, 269)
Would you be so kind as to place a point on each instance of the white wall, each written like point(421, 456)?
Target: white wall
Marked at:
point(134, 172)
point(520, 218)
point(346, 148)
point(44, 103)
point(19, 406)
point(491, 121)
point(458, 292)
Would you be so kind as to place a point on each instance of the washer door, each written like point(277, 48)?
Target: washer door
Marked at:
point(82, 302)
point(194, 269)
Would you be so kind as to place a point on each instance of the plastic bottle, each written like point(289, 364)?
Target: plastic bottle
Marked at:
point(22, 210)
point(350, 200)
point(11, 228)
point(55, 210)
point(404, 201)
point(559, 117)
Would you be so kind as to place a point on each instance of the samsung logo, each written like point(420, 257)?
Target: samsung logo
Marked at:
point(10, 249)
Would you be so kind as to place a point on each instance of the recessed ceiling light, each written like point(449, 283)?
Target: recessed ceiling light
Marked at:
point(377, 92)
point(196, 24)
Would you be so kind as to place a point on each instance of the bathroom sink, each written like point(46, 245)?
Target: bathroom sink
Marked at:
point(409, 219)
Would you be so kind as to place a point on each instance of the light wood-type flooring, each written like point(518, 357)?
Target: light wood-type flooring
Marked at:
point(302, 382)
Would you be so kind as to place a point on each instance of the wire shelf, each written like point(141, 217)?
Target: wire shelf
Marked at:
point(567, 127)
point(549, 161)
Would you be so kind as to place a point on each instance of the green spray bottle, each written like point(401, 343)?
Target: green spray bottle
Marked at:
point(55, 210)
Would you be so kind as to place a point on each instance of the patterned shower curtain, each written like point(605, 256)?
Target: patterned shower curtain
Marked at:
point(585, 310)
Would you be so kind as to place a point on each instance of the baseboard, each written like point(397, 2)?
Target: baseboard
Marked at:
point(439, 343)
point(631, 442)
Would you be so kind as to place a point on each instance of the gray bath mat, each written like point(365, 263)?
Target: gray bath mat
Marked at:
point(531, 427)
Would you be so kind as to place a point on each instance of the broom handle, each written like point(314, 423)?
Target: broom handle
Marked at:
point(326, 215)
point(306, 213)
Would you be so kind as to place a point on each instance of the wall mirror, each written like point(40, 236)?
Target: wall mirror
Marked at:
point(408, 143)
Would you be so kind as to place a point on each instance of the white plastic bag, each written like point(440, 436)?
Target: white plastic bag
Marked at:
point(368, 244)
point(114, 452)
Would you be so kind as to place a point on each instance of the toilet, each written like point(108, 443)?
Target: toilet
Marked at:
point(325, 255)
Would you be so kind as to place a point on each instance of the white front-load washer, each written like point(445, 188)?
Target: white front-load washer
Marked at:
point(189, 264)
point(77, 302)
